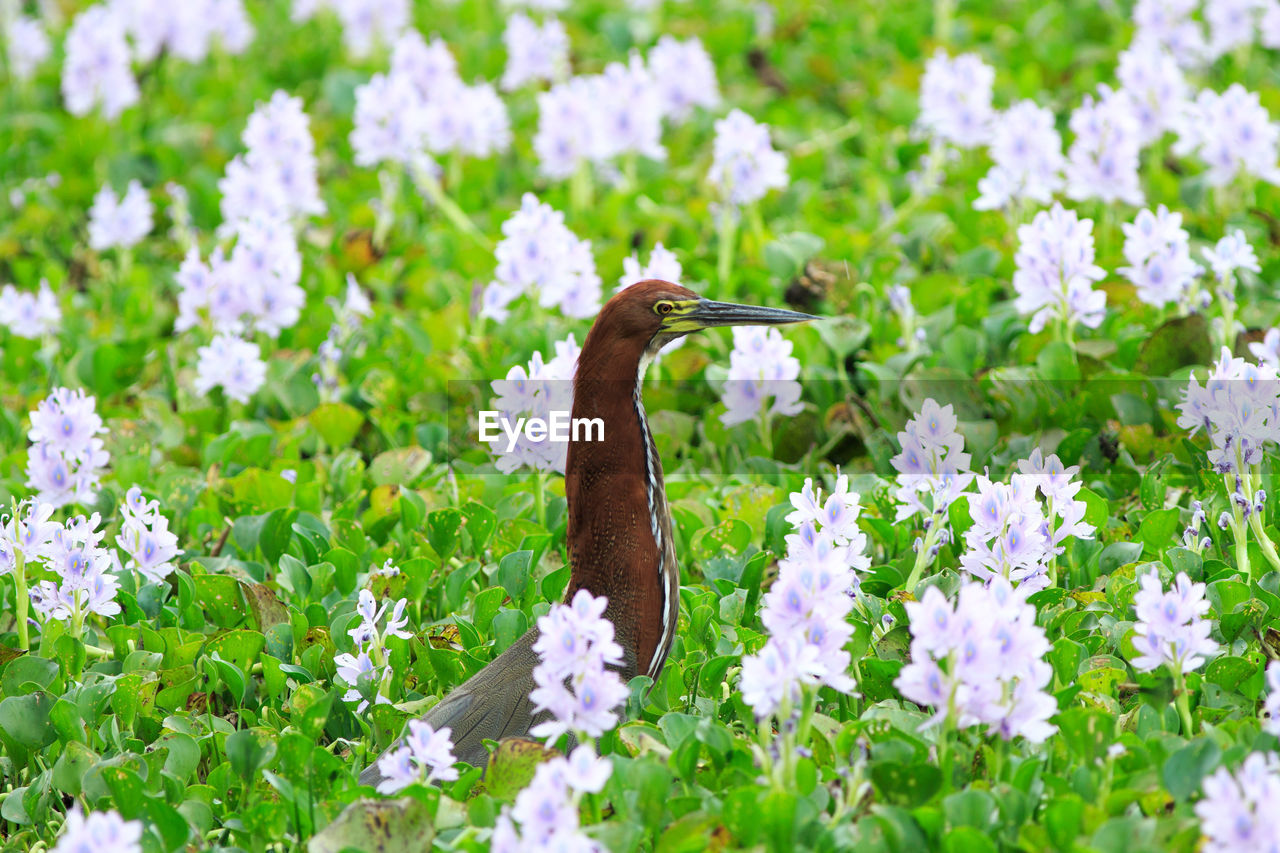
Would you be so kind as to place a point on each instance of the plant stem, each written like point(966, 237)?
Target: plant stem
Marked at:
point(727, 245)
point(431, 187)
point(922, 557)
point(539, 497)
point(1182, 699)
point(580, 189)
point(21, 598)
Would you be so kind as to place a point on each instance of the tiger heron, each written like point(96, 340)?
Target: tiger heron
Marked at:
point(619, 528)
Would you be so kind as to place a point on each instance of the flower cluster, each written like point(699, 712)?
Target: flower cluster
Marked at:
point(1232, 133)
point(761, 366)
point(1235, 409)
point(72, 552)
point(1171, 629)
point(547, 810)
point(575, 648)
point(1055, 271)
point(233, 364)
point(663, 264)
point(534, 52)
point(955, 99)
point(539, 253)
point(365, 23)
point(119, 222)
point(185, 30)
point(425, 757)
point(366, 672)
point(684, 77)
point(807, 608)
point(1168, 24)
point(745, 166)
point(1160, 265)
point(535, 391)
point(66, 457)
point(1026, 151)
point(1231, 253)
point(423, 106)
point(980, 661)
point(29, 315)
point(598, 118)
point(26, 43)
point(1102, 162)
point(932, 463)
point(146, 538)
point(1241, 810)
point(276, 176)
point(98, 832)
point(1156, 88)
point(96, 70)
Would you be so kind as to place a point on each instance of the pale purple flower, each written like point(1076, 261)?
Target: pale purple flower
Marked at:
point(575, 646)
point(1169, 24)
point(146, 538)
point(84, 585)
point(1171, 628)
point(547, 810)
point(663, 264)
point(281, 152)
point(761, 367)
point(1102, 162)
point(775, 674)
point(981, 661)
point(27, 45)
point(1267, 351)
point(427, 756)
point(186, 30)
point(535, 52)
point(96, 69)
point(66, 457)
point(585, 771)
point(390, 125)
point(1230, 254)
point(1269, 26)
point(98, 832)
point(1232, 133)
point(1235, 407)
point(119, 222)
point(233, 364)
point(471, 120)
point(1241, 811)
point(746, 166)
point(567, 134)
point(29, 533)
point(1027, 154)
point(1156, 88)
point(366, 23)
point(684, 76)
point(1159, 256)
point(352, 669)
point(1055, 271)
point(427, 66)
point(932, 463)
point(536, 390)
point(1232, 24)
point(955, 99)
point(540, 255)
point(29, 315)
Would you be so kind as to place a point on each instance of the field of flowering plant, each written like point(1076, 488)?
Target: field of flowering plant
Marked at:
point(980, 559)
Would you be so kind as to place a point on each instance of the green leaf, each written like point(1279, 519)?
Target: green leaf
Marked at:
point(442, 530)
point(25, 719)
point(908, 785)
point(1185, 768)
point(277, 530)
point(249, 750)
point(403, 825)
point(337, 423)
point(513, 573)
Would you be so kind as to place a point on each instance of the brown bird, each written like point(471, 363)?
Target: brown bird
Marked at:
point(619, 528)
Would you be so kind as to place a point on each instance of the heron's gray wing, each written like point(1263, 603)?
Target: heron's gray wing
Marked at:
point(492, 704)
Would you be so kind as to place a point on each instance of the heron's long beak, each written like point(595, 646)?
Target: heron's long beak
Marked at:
point(705, 314)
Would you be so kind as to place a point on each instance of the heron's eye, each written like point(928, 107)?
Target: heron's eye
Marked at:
point(664, 308)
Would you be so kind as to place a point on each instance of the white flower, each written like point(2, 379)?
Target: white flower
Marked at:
point(1027, 154)
point(233, 364)
point(119, 222)
point(746, 166)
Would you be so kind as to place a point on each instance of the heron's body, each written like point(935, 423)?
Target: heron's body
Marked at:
point(619, 528)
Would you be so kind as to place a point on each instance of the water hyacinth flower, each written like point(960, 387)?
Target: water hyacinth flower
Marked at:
point(119, 222)
point(26, 44)
point(932, 464)
point(1156, 88)
point(1169, 24)
point(366, 671)
point(663, 264)
point(1232, 253)
point(1171, 629)
point(232, 364)
point(1232, 24)
point(1026, 151)
point(1232, 133)
point(539, 254)
point(84, 585)
point(684, 77)
point(186, 30)
point(426, 757)
point(1055, 272)
point(428, 66)
point(535, 391)
point(98, 832)
point(535, 52)
point(806, 610)
point(574, 682)
point(29, 315)
point(367, 23)
point(470, 120)
point(1240, 810)
point(96, 70)
point(546, 811)
point(955, 99)
point(146, 538)
point(66, 457)
point(276, 177)
point(1269, 26)
point(761, 367)
point(980, 661)
point(1160, 265)
point(745, 166)
point(389, 123)
point(1102, 162)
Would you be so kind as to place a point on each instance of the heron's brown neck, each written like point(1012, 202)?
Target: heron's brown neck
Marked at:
point(617, 510)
